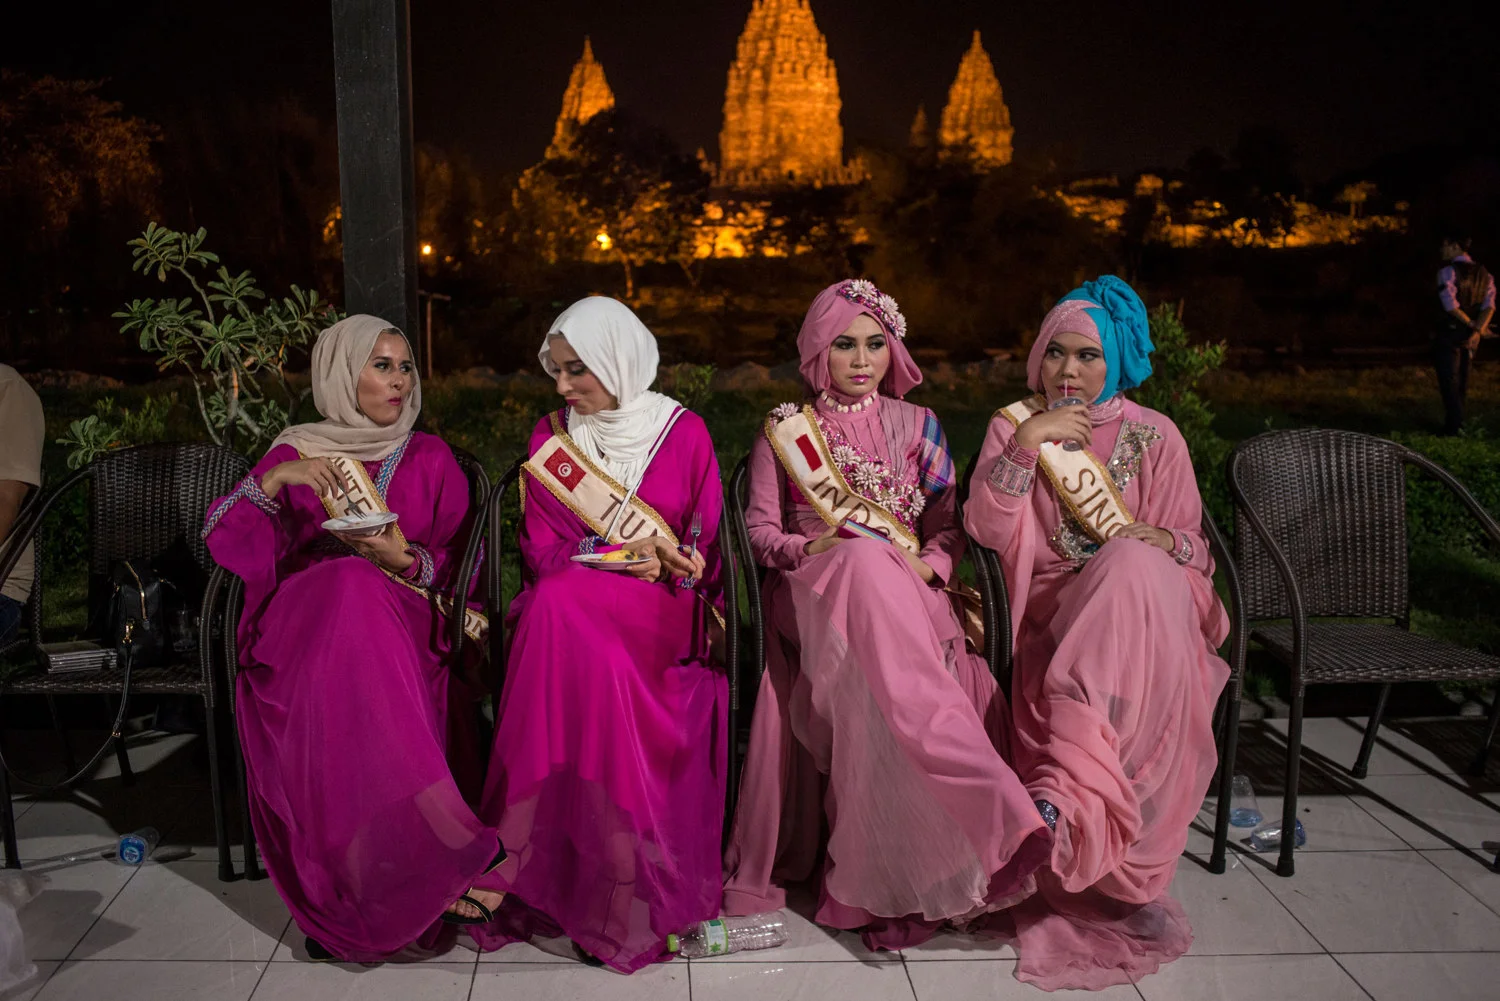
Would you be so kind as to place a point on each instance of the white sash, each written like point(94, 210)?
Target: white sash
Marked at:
point(1081, 481)
point(804, 454)
point(360, 496)
point(614, 513)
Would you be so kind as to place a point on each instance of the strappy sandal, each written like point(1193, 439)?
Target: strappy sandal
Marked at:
point(585, 957)
point(317, 953)
point(485, 915)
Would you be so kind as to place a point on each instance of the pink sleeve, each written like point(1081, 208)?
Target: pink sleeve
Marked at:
point(772, 545)
point(1170, 500)
point(245, 530)
point(1002, 521)
point(942, 535)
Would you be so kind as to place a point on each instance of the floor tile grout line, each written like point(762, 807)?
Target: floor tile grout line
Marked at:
point(266, 968)
point(1283, 905)
point(1357, 983)
point(100, 916)
point(689, 965)
point(1482, 902)
point(1372, 794)
point(910, 983)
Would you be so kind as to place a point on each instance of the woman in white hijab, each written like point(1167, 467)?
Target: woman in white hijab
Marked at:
point(343, 687)
point(607, 776)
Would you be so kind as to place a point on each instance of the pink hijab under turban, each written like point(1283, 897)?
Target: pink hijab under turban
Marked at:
point(829, 316)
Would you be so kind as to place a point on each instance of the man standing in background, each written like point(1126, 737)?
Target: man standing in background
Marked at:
point(21, 434)
point(1466, 292)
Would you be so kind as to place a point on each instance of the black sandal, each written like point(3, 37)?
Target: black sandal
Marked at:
point(585, 957)
point(485, 915)
point(317, 953)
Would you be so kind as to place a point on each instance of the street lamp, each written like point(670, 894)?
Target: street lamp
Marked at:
point(426, 250)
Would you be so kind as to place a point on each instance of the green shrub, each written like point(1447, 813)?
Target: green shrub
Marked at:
point(1177, 368)
point(690, 385)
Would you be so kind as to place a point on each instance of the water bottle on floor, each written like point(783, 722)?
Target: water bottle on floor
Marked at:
point(722, 936)
point(1244, 811)
point(1268, 838)
point(137, 846)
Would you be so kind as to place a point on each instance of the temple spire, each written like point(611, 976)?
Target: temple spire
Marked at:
point(976, 122)
point(781, 105)
point(588, 94)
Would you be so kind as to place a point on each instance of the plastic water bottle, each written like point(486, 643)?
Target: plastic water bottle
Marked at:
point(137, 846)
point(1244, 810)
point(1268, 838)
point(722, 936)
point(1067, 401)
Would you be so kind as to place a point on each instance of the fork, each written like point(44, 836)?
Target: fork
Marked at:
point(695, 529)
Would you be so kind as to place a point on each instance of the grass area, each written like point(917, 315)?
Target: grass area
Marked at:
point(1452, 574)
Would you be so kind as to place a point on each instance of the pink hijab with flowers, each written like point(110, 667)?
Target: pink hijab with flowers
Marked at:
point(830, 315)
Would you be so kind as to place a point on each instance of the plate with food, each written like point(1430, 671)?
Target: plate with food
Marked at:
point(360, 524)
point(618, 558)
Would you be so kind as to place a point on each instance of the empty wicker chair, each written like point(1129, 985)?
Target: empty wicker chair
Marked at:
point(1320, 532)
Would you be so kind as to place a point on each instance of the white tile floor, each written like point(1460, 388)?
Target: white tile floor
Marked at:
point(1390, 902)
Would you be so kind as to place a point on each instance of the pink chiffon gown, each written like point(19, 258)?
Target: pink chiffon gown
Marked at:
point(874, 720)
point(359, 744)
point(1116, 682)
point(607, 775)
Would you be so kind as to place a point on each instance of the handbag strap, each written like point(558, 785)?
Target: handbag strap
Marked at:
point(116, 730)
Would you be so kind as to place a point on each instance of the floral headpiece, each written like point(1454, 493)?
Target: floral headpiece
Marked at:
point(863, 292)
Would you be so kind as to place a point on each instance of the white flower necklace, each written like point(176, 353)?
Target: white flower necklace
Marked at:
point(848, 408)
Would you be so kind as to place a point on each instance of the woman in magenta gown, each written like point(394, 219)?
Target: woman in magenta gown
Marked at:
point(358, 742)
point(876, 718)
point(1116, 623)
point(606, 780)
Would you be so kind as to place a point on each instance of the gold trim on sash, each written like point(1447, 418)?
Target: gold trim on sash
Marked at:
point(823, 485)
point(361, 497)
point(1079, 478)
point(591, 493)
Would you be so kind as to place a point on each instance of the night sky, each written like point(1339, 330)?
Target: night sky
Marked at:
point(1097, 84)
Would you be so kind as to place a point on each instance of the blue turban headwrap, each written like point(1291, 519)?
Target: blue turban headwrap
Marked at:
point(1124, 332)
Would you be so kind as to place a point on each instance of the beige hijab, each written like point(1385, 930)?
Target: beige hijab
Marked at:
point(338, 358)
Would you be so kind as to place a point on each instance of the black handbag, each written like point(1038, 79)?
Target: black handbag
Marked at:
point(137, 615)
point(135, 622)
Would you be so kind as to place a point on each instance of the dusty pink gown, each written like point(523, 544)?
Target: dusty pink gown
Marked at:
point(873, 716)
point(1116, 682)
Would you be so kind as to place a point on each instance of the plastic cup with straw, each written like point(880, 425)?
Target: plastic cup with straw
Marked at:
point(1067, 400)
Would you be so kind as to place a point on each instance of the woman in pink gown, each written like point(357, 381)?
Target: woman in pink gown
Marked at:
point(1116, 675)
point(351, 721)
point(874, 717)
point(607, 775)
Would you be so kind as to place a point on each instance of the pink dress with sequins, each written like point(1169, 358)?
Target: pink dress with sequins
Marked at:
point(1116, 680)
point(874, 720)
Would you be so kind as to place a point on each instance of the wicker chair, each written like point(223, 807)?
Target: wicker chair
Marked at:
point(226, 587)
point(1320, 532)
point(144, 502)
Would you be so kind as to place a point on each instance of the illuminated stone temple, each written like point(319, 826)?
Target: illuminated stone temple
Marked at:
point(781, 107)
point(976, 122)
point(588, 94)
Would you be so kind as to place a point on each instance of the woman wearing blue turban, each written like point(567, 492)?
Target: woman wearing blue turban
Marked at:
point(1116, 623)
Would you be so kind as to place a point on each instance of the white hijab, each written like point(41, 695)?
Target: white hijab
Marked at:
point(616, 346)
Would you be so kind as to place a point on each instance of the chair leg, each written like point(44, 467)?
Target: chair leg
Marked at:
point(1362, 763)
point(122, 754)
point(247, 827)
point(1217, 861)
point(12, 849)
point(1483, 757)
point(216, 794)
point(69, 762)
point(1284, 865)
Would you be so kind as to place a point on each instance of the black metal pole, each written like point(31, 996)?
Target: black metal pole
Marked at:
point(377, 183)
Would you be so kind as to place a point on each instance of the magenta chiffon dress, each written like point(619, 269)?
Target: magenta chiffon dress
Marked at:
point(607, 776)
point(358, 742)
point(1116, 682)
point(875, 721)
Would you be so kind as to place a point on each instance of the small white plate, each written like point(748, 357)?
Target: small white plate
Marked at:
point(360, 524)
point(597, 560)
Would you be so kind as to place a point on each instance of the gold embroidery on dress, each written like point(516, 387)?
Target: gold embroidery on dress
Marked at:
point(1070, 541)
